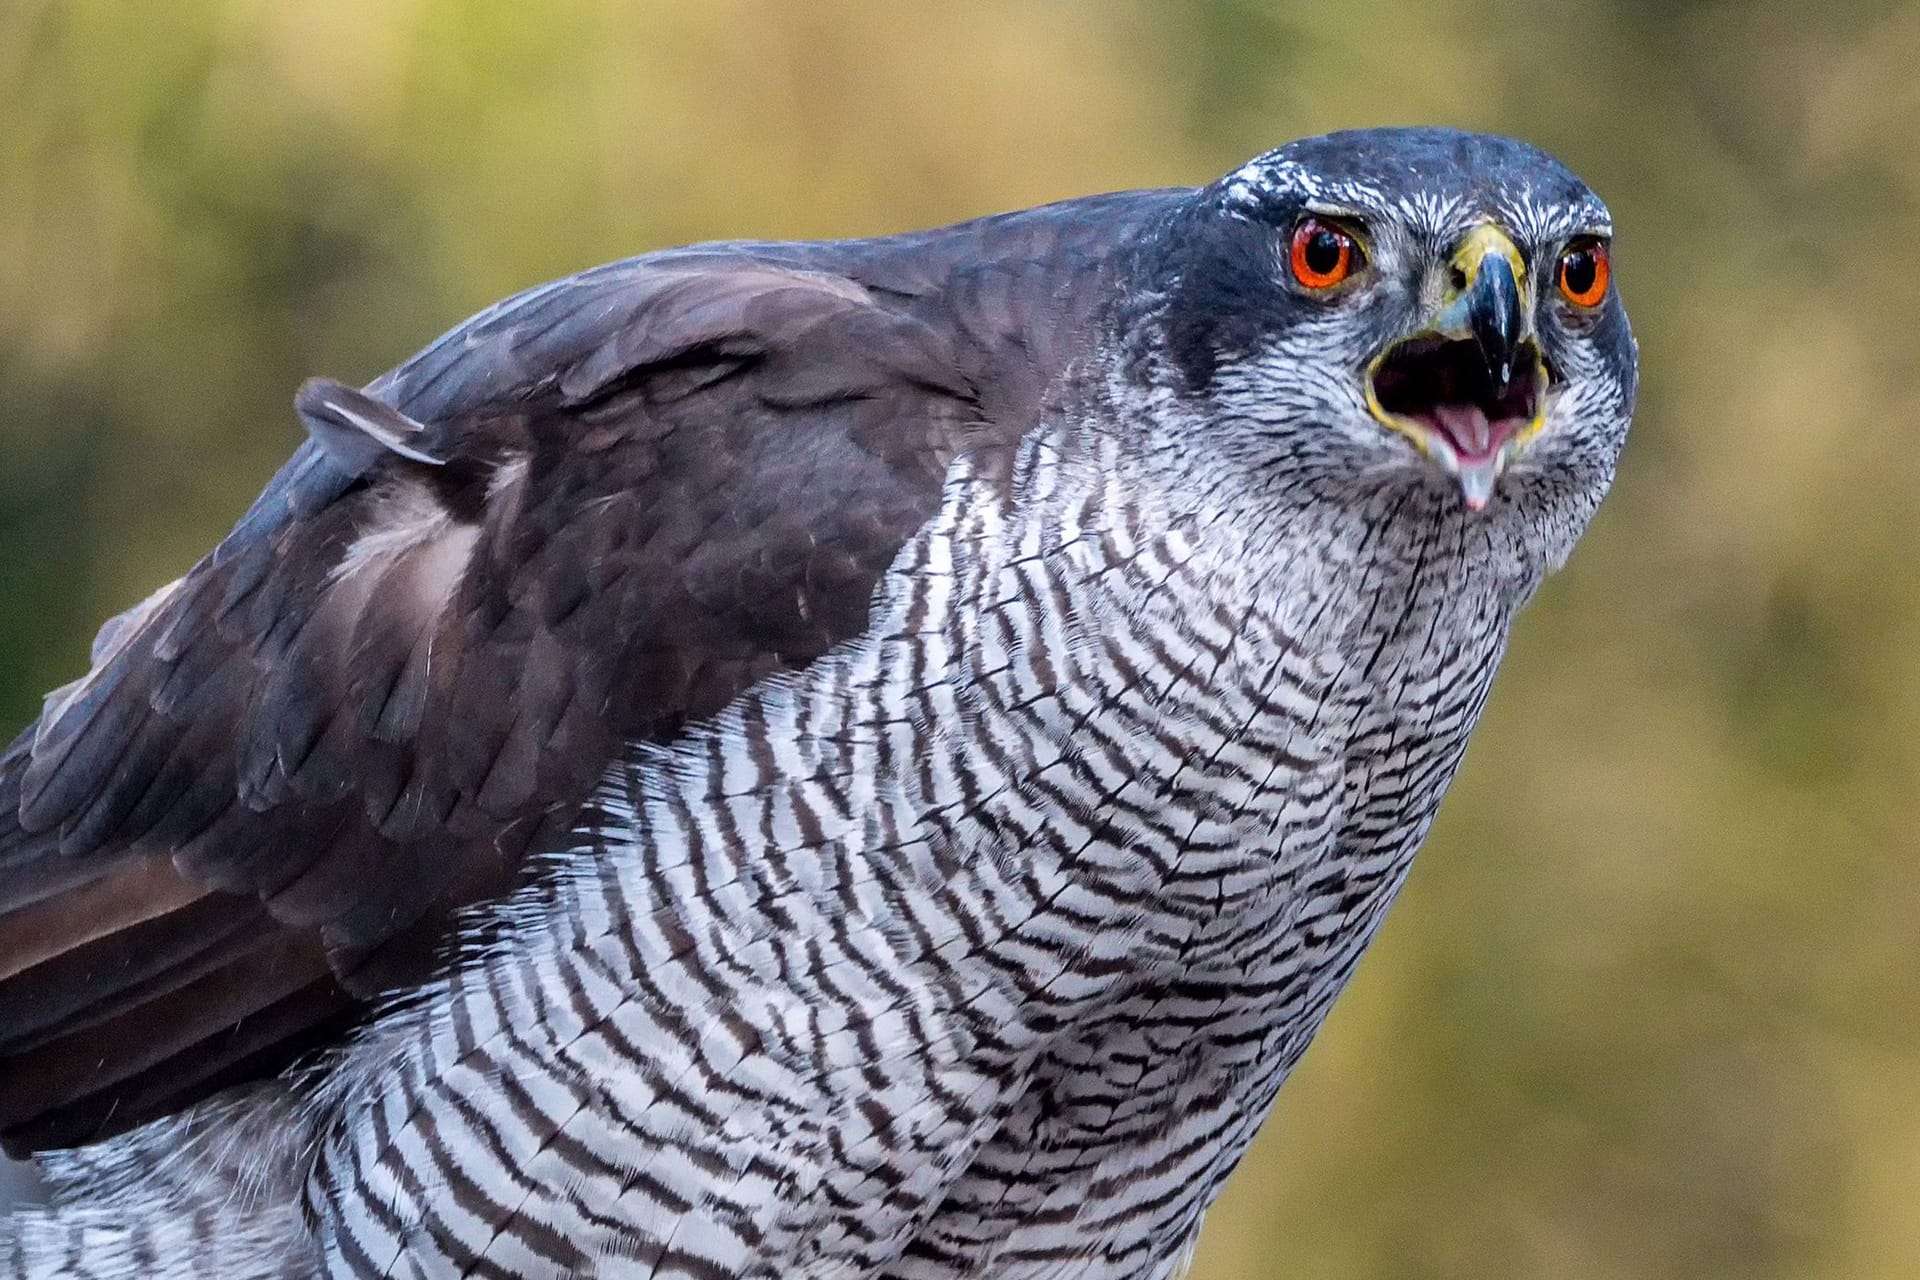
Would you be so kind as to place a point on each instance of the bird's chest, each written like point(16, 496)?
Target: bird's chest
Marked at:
point(1052, 875)
point(1241, 844)
point(1236, 768)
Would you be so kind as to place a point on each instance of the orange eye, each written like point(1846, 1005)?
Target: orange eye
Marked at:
point(1322, 254)
point(1584, 272)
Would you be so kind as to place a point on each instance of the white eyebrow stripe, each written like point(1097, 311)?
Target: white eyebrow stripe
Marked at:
point(1265, 175)
point(1538, 220)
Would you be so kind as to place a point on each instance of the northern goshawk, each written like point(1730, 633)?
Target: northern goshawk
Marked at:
point(805, 761)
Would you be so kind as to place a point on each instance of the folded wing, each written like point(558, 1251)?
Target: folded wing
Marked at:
point(592, 513)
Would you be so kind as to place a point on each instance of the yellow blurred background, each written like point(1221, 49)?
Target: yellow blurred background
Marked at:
point(1650, 1005)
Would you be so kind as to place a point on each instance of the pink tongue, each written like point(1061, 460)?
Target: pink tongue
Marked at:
point(1467, 429)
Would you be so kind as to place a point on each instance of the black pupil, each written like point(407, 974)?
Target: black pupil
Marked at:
point(1322, 252)
point(1577, 270)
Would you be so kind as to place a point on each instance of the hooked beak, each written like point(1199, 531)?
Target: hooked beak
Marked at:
point(1469, 386)
point(1488, 309)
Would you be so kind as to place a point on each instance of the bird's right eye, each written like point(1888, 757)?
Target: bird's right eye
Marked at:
point(1322, 254)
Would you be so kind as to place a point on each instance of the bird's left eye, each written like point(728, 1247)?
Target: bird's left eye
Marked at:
point(1322, 254)
point(1584, 272)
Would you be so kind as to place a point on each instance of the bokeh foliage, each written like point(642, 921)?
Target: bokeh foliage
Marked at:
point(1650, 1006)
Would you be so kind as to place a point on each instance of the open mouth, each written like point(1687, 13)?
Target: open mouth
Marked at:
point(1441, 391)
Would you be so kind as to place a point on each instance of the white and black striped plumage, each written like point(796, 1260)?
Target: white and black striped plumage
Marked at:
point(911, 735)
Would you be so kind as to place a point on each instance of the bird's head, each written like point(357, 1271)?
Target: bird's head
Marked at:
point(1402, 306)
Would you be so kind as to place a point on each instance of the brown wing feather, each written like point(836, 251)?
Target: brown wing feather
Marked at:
point(592, 513)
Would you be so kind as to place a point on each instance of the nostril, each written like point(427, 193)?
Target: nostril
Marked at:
point(1458, 277)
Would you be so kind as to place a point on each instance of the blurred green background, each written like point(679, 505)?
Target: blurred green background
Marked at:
point(1650, 1006)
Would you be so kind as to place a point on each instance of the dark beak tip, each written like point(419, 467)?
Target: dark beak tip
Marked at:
point(1493, 310)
